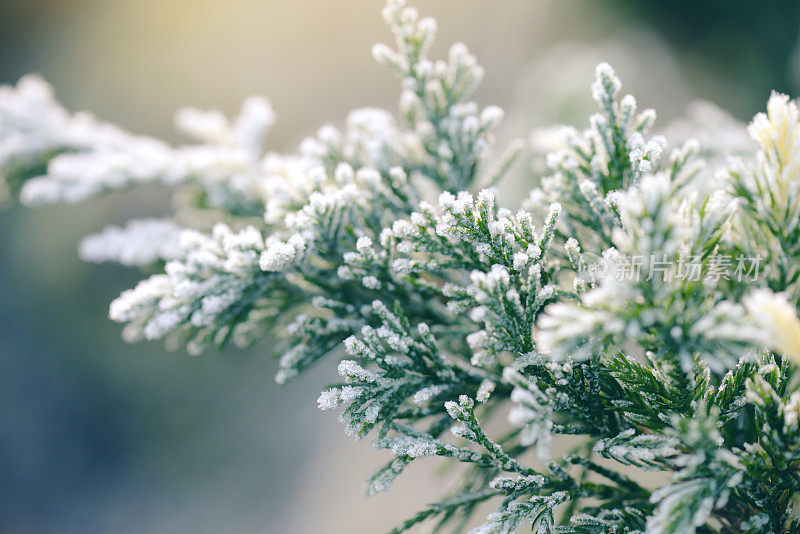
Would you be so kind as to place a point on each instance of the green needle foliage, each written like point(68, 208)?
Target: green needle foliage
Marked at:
point(638, 337)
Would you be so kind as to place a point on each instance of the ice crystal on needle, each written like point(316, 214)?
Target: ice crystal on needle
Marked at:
point(139, 244)
point(620, 312)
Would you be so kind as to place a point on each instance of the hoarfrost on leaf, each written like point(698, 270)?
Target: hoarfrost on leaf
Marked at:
point(640, 305)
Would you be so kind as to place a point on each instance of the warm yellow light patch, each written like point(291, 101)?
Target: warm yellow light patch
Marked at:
point(778, 317)
point(778, 131)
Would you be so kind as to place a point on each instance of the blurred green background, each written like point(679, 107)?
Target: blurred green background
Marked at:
point(97, 435)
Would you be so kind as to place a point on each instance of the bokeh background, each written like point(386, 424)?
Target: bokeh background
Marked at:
point(100, 436)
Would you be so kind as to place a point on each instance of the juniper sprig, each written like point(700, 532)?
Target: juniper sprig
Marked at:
point(621, 321)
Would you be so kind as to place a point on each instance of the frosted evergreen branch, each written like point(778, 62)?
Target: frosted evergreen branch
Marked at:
point(654, 324)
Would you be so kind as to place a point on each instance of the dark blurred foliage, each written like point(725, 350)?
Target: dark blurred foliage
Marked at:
point(21, 24)
point(730, 39)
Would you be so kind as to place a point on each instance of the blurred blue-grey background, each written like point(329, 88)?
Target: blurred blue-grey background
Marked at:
point(97, 435)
